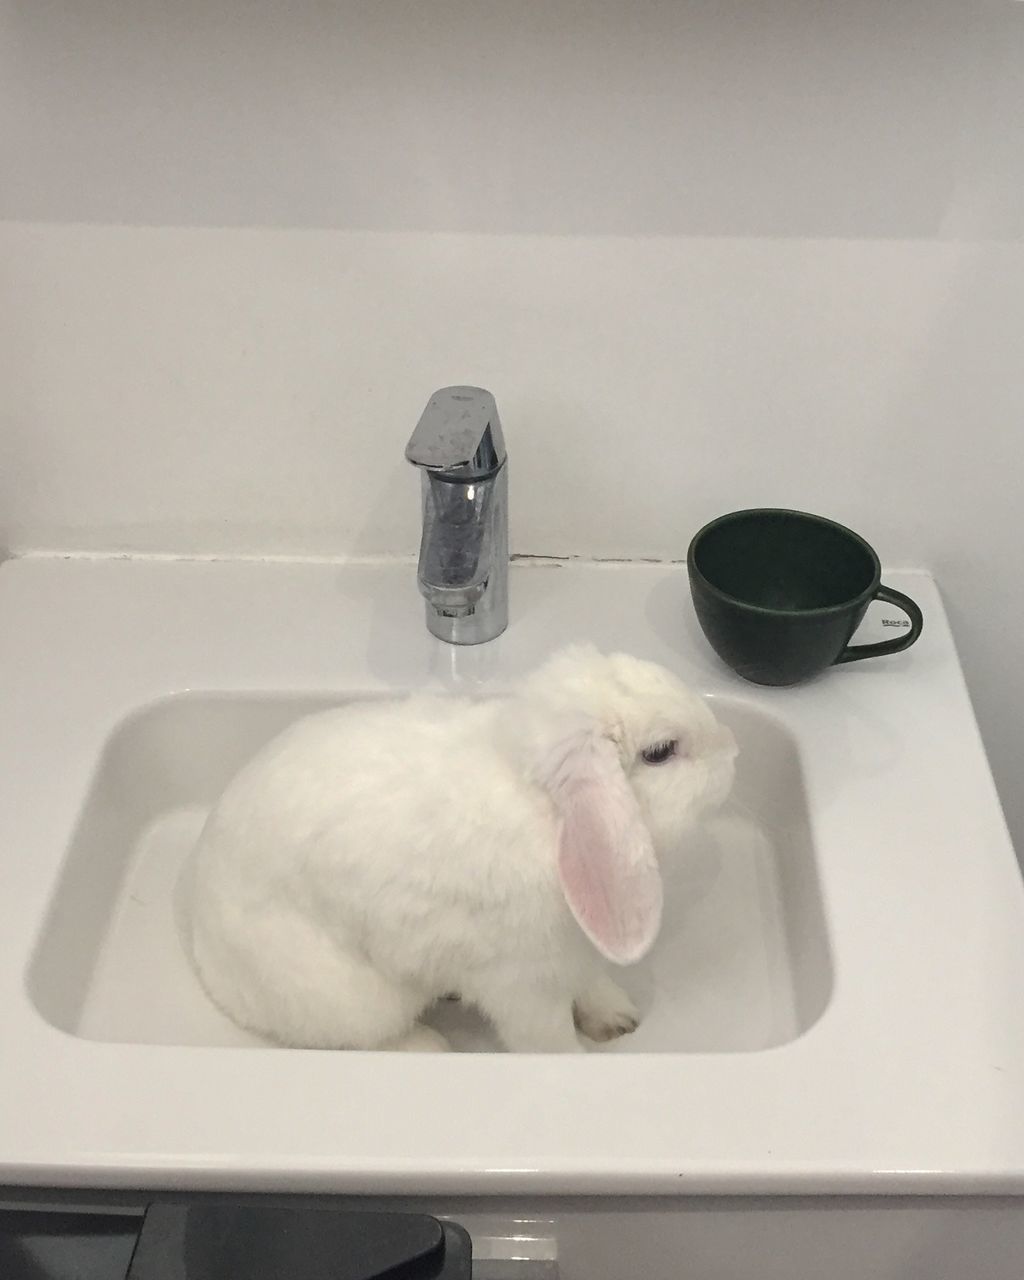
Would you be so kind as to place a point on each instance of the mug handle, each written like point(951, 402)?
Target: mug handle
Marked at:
point(854, 652)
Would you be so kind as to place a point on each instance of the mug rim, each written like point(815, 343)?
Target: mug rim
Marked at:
point(820, 610)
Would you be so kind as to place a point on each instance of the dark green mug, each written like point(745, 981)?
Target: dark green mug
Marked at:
point(779, 594)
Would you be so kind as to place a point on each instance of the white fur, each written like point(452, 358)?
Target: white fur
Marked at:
point(374, 858)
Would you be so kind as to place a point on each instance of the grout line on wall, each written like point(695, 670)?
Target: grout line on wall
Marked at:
point(556, 561)
point(199, 557)
point(527, 559)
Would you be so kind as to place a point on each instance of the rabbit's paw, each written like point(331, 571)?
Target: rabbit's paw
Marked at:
point(420, 1039)
point(605, 1012)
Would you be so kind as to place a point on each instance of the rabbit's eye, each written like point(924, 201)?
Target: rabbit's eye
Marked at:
point(660, 752)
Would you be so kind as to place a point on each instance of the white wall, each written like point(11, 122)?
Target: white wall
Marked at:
point(705, 255)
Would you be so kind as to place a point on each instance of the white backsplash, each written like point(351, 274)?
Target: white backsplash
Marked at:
point(706, 256)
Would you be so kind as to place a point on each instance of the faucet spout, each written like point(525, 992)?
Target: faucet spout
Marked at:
point(463, 564)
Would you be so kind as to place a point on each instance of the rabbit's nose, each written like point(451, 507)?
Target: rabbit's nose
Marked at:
point(727, 743)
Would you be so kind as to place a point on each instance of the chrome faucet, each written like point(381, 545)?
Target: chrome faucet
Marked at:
point(463, 567)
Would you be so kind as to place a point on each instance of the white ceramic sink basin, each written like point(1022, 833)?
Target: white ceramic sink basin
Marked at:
point(834, 1003)
point(742, 962)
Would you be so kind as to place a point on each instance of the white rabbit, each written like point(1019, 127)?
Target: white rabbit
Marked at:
point(375, 857)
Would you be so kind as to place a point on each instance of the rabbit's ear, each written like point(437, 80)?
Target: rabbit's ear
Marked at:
point(606, 863)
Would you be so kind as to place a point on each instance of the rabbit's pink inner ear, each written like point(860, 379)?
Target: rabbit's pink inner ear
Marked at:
point(606, 863)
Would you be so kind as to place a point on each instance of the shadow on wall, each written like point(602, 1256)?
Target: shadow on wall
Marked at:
point(959, 437)
point(787, 118)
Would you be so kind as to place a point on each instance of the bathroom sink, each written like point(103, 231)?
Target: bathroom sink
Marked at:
point(833, 1005)
point(742, 962)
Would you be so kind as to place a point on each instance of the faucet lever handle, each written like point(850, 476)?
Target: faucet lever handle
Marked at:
point(459, 434)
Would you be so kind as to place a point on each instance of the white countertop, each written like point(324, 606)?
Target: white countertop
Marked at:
point(911, 1081)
